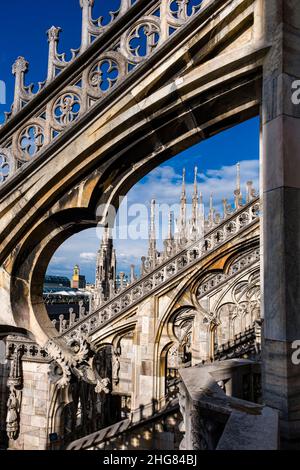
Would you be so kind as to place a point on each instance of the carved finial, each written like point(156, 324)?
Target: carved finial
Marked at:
point(53, 33)
point(194, 223)
point(250, 191)
point(152, 221)
point(152, 233)
point(72, 316)
point(112, 288)
point(225, 208)
point(195, 195)
point(201, 217)
point(201, 209)
point(182, 217)
point(122, 279)
point(211, 210)
point(170, 225)
point(84, 3)
point(143, 265)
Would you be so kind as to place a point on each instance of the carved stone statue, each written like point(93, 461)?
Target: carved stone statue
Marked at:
point(116, 369)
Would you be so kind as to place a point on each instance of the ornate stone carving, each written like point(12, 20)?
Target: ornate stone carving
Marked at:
point(104, 75)
point(12, 419)
point(66, 108)
point(102, 386)
point(76, 359)
point(213, 280)
point(31, 140)
point(23, 94)
point(181, 10)
point(182, 404)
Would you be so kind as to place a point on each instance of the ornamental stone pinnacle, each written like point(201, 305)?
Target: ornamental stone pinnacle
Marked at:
point(53, 33)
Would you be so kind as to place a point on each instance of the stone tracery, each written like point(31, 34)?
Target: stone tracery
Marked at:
point(232, 227)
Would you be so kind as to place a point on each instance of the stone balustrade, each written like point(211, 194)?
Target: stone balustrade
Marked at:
point(244, 344)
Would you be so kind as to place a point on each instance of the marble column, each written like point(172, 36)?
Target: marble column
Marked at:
point(281, 206)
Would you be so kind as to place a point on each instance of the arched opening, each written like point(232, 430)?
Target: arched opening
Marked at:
point(56, 229)
point(72, 266)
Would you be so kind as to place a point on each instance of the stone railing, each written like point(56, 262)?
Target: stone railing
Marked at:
point(243, 345)
point(186, 258)
point(112, 47)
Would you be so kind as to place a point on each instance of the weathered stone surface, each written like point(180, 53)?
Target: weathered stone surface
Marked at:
point(250, 432)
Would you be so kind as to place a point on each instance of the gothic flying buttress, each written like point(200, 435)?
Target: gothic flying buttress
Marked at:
point(148, 25)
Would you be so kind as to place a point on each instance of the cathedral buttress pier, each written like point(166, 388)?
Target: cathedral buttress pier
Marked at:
point(281, 206)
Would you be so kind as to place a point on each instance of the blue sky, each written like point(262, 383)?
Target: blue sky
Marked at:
point(23, 32)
